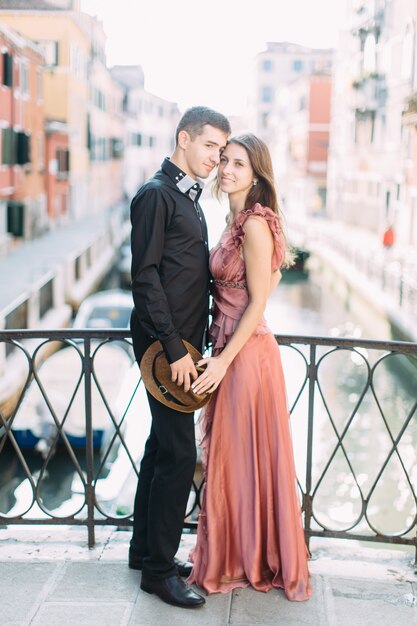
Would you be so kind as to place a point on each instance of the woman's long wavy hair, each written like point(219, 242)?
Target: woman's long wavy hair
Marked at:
point(264, 191)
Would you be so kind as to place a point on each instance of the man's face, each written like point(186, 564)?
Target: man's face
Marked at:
point(202, 153)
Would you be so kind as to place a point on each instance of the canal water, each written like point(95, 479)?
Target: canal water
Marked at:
point(362, 401)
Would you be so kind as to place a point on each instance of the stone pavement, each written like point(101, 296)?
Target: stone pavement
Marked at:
point(48, 577)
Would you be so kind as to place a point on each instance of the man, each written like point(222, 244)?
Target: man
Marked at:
point(170, 287)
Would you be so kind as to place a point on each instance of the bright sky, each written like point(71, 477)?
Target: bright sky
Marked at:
point(201, 52)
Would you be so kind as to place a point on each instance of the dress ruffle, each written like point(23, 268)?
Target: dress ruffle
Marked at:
point(223, 326)
point(230, 291)
point(259, 211)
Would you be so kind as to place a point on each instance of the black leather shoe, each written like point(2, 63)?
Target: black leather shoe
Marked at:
point(184, 567)
point(173, 590)
point(135, 562)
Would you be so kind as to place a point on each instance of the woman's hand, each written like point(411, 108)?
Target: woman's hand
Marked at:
point(212, 376)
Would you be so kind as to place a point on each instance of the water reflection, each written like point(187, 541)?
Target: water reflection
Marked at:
point(54, 482)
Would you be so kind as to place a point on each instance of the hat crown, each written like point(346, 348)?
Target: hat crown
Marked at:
point(157, 376)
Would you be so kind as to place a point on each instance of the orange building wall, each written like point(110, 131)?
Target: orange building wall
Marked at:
point(8, 112)
point(320, 98)
point(24, 112)
point(320, 94)
point(32, 177)
point(318, 146)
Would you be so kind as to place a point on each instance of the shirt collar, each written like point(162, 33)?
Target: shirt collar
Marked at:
point(187, 185)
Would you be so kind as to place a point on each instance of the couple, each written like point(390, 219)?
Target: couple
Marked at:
point(249, 530)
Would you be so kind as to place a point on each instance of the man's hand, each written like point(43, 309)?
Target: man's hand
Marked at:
point(183, 370)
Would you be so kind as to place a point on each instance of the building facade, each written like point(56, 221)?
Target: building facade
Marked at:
point(150, 124)
point(78, 93)
point(278, 66)
point(373, 149)
point(23, 209)
point(105, 126)
point(290, 111)
point(57, 172)
point(301, 145)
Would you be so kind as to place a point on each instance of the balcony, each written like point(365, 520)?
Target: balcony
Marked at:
point(370, 92)
point(355, 463)
point(409, 114)
point(367, 20)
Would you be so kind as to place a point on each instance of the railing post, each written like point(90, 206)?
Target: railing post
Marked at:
point(89, 450)
point(308, 500)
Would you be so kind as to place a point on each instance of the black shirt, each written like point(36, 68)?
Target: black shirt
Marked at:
point(170, 276)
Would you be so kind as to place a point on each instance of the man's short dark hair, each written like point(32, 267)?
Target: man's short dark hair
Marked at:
point(194, 120)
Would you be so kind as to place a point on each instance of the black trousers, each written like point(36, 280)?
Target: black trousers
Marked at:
point(165, 479)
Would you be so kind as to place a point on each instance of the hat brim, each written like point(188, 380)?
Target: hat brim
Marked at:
point(156, 375)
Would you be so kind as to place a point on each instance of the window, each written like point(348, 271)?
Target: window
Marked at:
point(16, 222)
point(23, 148)
point(50, 49)
point(89, 135)
point(39, 83)
point(407, 55)
point(116, 148)
point(24, 78)
point(99, 99)
point(15, 147)
point(387, 202)
point(302, 103)
point(297, 65)
point(267, 65)
point(136, 139)
point(41, 154)
point(63, 162)
point(322, 193)
point(266, 93)
point(369, 54)
point(364, 127)
point(77, 62)
point(7, 69)
point(8, 142)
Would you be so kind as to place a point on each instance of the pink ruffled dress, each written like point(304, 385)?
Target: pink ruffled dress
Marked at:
point(250, 530)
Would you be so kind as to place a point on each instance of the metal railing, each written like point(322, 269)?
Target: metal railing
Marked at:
point(353, 410)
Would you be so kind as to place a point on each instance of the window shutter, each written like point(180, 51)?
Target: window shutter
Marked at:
point(16, 218)
point(23, 148)
point(7, 69)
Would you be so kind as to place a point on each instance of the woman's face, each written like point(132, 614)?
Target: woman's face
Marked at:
point(235, 173)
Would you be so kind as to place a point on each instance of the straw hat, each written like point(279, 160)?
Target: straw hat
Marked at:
point(156, 374)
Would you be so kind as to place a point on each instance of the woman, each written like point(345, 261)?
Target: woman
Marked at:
point(250, 530)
